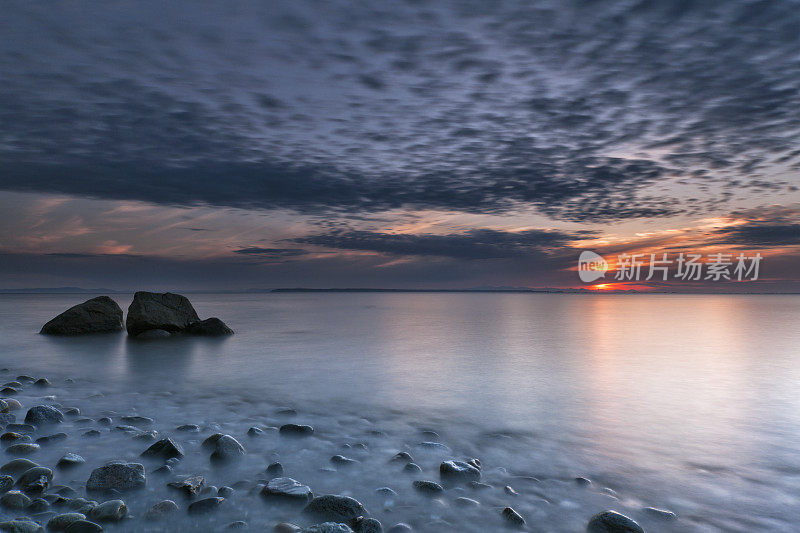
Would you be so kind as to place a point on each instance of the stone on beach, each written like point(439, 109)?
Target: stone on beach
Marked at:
point(21, 526)
point(119, 476)
point(152, 310)
point(23, 448)
point(161, 509)
point(98, 315)
point(661, 514)
point(110, 511)
point(69, 459)
point(83, 526)
point(190, 486)
point(227, 448)
point(332, 507)
point(427, 487)
point(43, 414)
point(164, 449)
point(35, 480)
point(210, 327)
point(327, 527)
point(60, 522)
point(15, 499)
point(458, 472)
point(612, 522)
point(513, 517)
point(296, 430)
point(286, 487)
point(205, 505)
point(17, 466)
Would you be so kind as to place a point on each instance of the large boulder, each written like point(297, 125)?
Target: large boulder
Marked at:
point(154, 310)
point(118, 475)
point(98, 315)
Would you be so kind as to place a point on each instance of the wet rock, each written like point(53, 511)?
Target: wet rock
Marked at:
point(42, 382)
point(163, 470)
point(461, 501)
point(4, 408)
point(510, 490)
point(17, 466)
point(402, 457)
point(458, 472)
point(92, 433)
point(513, 517)
point(328, 527)
point(412, 468)
point(136, 420)
point(227, 449)
point(164, 449)
point(8, 391)
point(427, 487)
point(12, 404)
point(661, 514)
point(105, 421)
point(38, 505)
point(35, 480)
point(6, 483)
point(188, 428)
point(434, 446)
point(69, 460)
point(254, 431)
point(119, 476)
point(210, 443)
point(286, 487)
point(296, 430)
point(55, 499)
point(205, 505)
point(275, 470)
point(43, 414)
point(11, 436)
point(49, 439)
point(225, 492)
point(98, 315)
point(72, 411)
point(60, 522)
point(366, 525)
point(612, 522)
point(210, 327)
point(83, 526)
point(385, 491)
point(15, 499)
point(161, 509)
point(400, 527)
point(167, 311)
point(285, 527)
point(145, 436)
point(190, 486)
point(109, 511)
point(238, 524)
point(21, 526)
point(22, 448)
point(64, 490)
point(477, 485)
point(342, 461)
point(81, 505)
point(331, 507)
point(582, 481)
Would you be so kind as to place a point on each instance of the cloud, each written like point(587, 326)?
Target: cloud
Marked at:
point(272, 253)
point(761, 235)
point(588, 111)
point(473, 244)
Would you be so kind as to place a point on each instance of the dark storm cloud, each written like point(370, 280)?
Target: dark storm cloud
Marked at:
point(586, 110)
point(270, 252)
point(761, 235)
point(474, 244)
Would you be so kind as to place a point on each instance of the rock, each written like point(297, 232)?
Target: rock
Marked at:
point(341, 460)
point(328, 527)
point(17, 466)
point(4, 408)
point(72, 411)
point(227, 448)
point(254, 431)
point(23, 448)
point(98, 315)
point(42, 382)
point(136, 420)
point(402, 457)
point(21, 526)
point(145, 436)
point(110, 511)
point(477, 485)
point(190, 486)
point(210, 443)
point(21, 428)
point(225, 492)
point(366, 525)
point(60, 522)
point(153, 334)
point(296, 430)
point(81, 505)
point(167, 311)
point(434, 446)
point(286, 487)
point(612, 522)
point(161, 509)
point(163, 470)
point(83, 526)
point(49, 439)
point(412, 468)
point(458, 472)
point(92, 433)
point(64, 490)
point(285, 527)
point(35, 480)
point(105, 421)
point(11, 436)
point(7, 391)
point(38, 505)
point(119, 476)
point(205, 505)
point(6, 483)
point(69, 459)
point(15, 499)
point(400, 527)
point(332, 507)
point(461, 501)
point(12, 404)
point(164, 449)
point(238, 524)
point(427, 487)
point(661, 514)
point(513, 517)
point(210, 327)
point(510, 490)
point(275, 470)
point(188, 428)
point(43, 414)
point(385, 491)
point(582, 481)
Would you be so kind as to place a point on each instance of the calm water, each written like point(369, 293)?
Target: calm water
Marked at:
point(690, 403)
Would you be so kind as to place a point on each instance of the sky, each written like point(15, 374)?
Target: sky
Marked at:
point(419, 145)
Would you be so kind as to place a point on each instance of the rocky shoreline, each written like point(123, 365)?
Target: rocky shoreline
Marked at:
point(169, 478)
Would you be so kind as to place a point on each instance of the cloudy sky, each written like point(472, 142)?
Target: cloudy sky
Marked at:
point(410, 144)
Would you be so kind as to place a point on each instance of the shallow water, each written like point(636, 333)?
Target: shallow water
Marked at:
point(688, 403)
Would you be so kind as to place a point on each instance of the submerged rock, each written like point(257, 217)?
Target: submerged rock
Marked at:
point(23, 448)
point(331, 507)
point(119, 476)
point(210, 327)
point(612, 522)
point(17, 466)
point(98, 315)
point(661, 514)
point(206, 505)
point(152, 310)
point(286, 487)
point(366, 525)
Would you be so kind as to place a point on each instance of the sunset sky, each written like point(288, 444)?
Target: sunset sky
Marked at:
point(176, 145)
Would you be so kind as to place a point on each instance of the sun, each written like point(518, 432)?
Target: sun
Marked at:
point(602, 286)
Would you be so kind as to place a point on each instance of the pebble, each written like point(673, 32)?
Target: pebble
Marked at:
point(136, 420)
point(60, 522)
point(275, 470)
point(72, 411)
point(83, 526)
point(434, 446)
point(510, 490)
point(341, 460)
point(190, 486)
point(188, 428)
point(92, 433)
point(400, 527)
point(205, 505)
point(164, 449)
point(513, 517)
point(13, 404)
point(285, 527)
point(21, 526)
point(225, 492)
point(461, 501)
point(42, 382)
point(23, 448)
point(43, 414)
point(296, 430)
point(15, 499)
point(21, 428)
point(458, 472)
point(105, 421)
point(366, 525)
point(238, 524)
point(612, 522)
point(49, 439)
point(328, 527)
point(11, 436)
point(35, 480)
point(661, 514)
point(161, 509)
point(227, 448)
point(583, 482)
point(6, 483)
point(17, 466)
point(427, 487)
point(109, 511)
point(412, 468)
point(331, 507)
point(254, 431)
point(69, 459)
point(118, 475)
point(402, 457)
point(286, 487)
